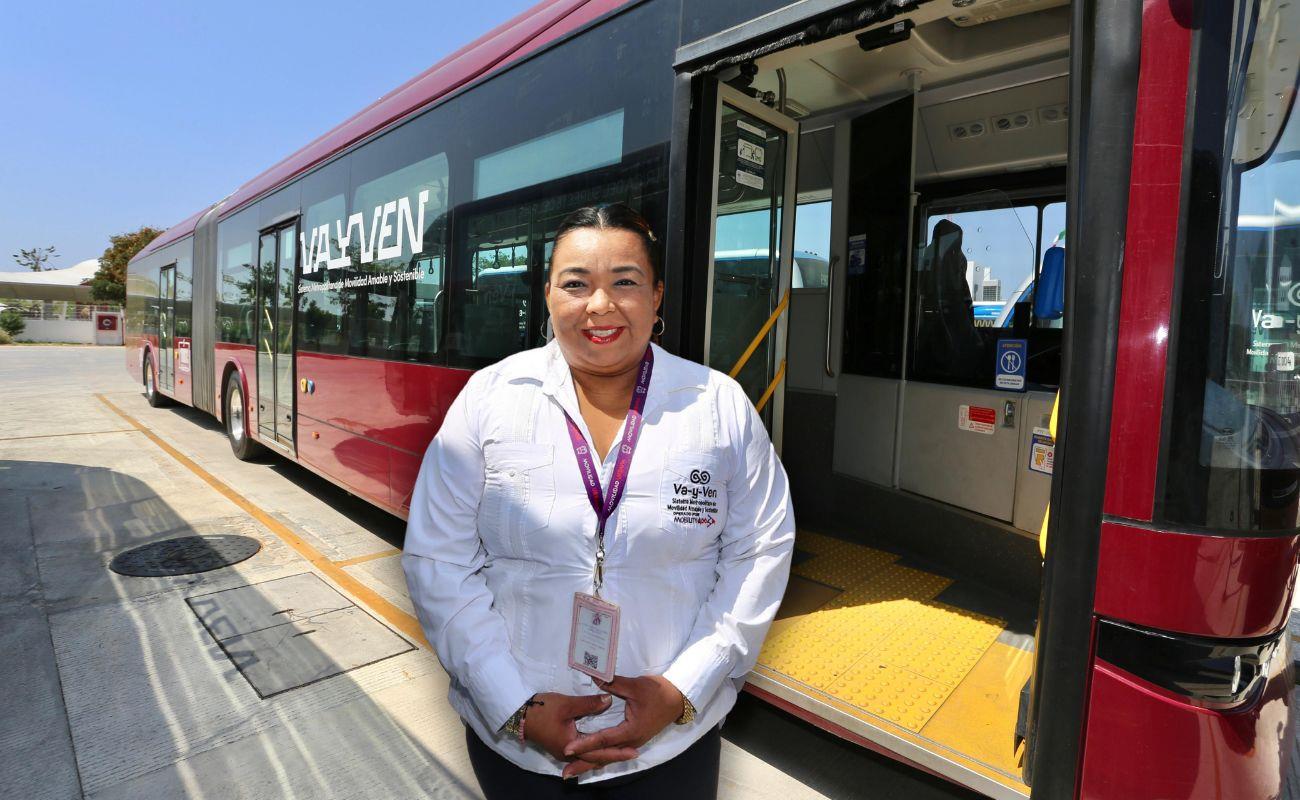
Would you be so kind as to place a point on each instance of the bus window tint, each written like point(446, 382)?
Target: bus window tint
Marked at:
point(1234, 453)
point(595, 143)
point(322, 298)
point(236, 241)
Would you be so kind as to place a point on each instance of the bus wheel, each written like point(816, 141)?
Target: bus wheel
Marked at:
point(151, 393)
point(241, 443)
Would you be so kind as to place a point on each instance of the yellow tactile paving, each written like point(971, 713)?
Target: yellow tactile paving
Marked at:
point(841, 567)
point(979, 719)
point(886, 651)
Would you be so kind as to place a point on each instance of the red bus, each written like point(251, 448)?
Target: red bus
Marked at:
point(918, 158)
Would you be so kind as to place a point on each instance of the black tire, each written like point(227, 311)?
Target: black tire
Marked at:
point(241, 443)
point(156, 398)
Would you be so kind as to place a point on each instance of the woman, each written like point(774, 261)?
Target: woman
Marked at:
point(599, 538)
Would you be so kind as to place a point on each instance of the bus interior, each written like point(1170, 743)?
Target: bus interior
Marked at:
point(910, 382)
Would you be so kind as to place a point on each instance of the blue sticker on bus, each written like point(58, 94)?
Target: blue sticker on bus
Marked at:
point(1011, 364)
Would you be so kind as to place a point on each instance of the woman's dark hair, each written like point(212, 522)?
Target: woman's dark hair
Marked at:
point(614, 216)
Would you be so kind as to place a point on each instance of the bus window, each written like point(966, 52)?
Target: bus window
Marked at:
point(976, 280)
point(322, 297)
point(1234, 448)
point(399, 197)
point(812, 245)
point(235, 238)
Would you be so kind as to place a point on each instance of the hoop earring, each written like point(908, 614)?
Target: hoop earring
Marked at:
point(546, 337)
point(663, 326)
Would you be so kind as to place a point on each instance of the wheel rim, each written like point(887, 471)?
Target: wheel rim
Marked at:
point(236, 415)
point(148, 378)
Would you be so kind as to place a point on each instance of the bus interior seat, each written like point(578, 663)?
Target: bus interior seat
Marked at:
point(946, 333)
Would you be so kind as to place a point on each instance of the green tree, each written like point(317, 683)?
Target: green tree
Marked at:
point(11, 321)
point(109, 283)
point(36, 258)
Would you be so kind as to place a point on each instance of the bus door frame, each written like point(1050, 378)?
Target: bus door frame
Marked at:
point(167, 327)
point(289, 224)
point(774, 377)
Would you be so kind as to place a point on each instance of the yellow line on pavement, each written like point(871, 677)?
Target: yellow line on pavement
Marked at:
point(395, 616)
point(348, 562)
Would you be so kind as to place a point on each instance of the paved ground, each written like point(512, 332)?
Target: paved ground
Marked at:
point(166, 687)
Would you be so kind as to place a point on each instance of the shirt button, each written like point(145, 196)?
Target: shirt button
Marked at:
point(511, 473)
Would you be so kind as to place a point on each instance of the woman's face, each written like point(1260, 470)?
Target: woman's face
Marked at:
point(603, 299)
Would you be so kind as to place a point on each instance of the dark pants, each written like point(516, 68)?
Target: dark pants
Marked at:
point(692, 775)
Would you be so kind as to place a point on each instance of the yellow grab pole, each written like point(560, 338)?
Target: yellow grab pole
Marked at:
point(767, 326)
point(771, 387)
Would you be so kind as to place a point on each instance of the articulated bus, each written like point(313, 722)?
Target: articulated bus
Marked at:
point(1047, 552)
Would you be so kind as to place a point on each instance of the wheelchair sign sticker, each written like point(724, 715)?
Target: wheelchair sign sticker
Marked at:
point(1011, 364)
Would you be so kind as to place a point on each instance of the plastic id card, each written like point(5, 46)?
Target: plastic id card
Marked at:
point(594, 640)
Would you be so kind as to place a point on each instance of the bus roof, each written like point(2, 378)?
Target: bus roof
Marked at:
point(503, 45)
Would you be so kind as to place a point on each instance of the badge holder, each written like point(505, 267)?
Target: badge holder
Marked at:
point(593, 641)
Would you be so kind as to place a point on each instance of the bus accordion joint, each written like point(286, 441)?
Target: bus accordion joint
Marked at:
point(762, 332)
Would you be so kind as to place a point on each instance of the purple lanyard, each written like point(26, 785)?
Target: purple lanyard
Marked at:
point(604, 504)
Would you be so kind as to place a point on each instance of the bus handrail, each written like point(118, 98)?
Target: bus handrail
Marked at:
point(762, 332)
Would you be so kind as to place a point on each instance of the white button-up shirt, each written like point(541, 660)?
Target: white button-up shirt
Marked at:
point(502, 535)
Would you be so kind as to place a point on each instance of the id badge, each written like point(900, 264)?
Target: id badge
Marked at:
point(593, 642)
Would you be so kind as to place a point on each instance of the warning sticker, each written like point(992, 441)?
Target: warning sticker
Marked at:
point(977, 419)
point(745, 178)
point(694, 502)
point(750, 151)
point(1042, 451)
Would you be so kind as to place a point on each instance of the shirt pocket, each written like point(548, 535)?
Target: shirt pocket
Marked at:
point(692, 500)
point(518, 494)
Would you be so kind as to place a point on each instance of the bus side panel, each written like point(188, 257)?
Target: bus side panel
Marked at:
point(1145, 742)
point(1225, 574)
point(367, 422)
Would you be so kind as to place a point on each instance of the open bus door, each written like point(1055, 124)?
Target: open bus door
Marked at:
point(751, 249)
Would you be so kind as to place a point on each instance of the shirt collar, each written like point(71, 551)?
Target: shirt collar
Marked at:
point(671, 374)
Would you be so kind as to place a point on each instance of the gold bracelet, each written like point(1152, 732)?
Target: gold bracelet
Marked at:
point(688, 712)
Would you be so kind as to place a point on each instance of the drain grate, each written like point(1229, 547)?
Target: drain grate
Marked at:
point(184, 555)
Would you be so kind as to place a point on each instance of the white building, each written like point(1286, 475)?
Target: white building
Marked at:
point(56, 306)
point(984, 288)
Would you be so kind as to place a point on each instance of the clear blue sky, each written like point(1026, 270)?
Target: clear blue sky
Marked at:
point(142, 112)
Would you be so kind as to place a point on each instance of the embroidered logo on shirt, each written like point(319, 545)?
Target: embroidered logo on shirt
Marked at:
point(694, 503)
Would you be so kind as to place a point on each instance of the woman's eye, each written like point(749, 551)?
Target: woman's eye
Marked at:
point(626, 282)
point(571, 285)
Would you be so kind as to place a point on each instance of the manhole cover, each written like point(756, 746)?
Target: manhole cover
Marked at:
point(185, 555)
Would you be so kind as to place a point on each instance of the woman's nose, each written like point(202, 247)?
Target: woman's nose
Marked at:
point(600, 302)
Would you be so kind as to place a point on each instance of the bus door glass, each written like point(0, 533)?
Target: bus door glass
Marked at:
point(752, 249)
point(276, 267)
point(167, 327)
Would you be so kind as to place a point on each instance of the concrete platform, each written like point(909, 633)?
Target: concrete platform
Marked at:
point(194, 685)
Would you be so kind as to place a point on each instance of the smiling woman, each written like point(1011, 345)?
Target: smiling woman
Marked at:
point(549, 612)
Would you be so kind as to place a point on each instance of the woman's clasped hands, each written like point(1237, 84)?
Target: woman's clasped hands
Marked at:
point(652, 704)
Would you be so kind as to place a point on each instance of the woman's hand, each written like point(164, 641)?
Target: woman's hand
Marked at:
point(653, 703)
point(552, 724)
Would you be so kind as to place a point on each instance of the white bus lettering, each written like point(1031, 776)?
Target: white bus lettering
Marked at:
point(386, 230)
